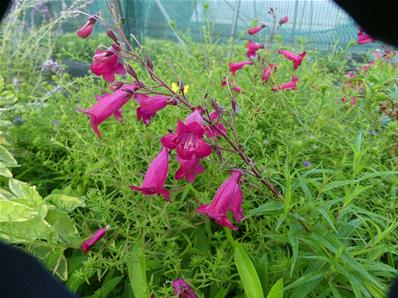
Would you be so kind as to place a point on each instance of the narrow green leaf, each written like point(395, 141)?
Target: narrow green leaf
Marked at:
point(276, 290)
point(137, 272)
point(247, 272)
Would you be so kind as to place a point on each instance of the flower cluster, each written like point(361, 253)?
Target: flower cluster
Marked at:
point(194, 139)
point(252, 49)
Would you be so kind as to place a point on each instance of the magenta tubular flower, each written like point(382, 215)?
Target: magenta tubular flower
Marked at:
point(97, 236)
point(256, 29)
point(150, 106)
point(227, 198)
point(364, 38)
point(215, 129)
point(296, 59)
point(156, 176)
point(106, 63)
point(252, 48)
point(182, 289)
point(283, 20)
point(234, 67)
point(268, 71)
point(86, 30)
point(188, 141)
point(292, 85)
point(189, 169)
point(236, 89)
point(351, 75)
point(195, 116)
point(108, 105)
point(353, 101)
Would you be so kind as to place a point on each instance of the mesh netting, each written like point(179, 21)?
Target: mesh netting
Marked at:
point(321, 23)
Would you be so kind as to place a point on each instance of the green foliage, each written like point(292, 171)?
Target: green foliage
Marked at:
point(334, 236)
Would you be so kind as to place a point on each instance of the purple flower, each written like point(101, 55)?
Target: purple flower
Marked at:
point(189, 169)
point(307, 163)
point(97, 236)
point(150, 105)
point(108, 105)
point(188, 141)
point(86, 30)
point(182, 289)
point(106, 63)
point(155, 176)
point(234, 67)
point(227, 198)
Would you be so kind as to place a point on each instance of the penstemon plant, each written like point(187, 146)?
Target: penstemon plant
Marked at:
point(208, 128)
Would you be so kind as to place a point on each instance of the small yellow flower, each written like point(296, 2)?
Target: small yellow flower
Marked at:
point(176, 88)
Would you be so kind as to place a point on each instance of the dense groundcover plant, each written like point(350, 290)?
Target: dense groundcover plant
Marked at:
point(149, 221)
point(210, 129)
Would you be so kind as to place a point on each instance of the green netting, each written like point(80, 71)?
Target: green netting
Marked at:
point(321, 23)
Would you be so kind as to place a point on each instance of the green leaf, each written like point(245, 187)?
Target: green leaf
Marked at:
point(276, 290)
point(24, 190)
point(247, 272)
point(269, 206)
point(64, 202)
point(64, 227)
point(108, 287)
point(137, 272)
point(4, 171)
point(12, 211)
point(7, 157)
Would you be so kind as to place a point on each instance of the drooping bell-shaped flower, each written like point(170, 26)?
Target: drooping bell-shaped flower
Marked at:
point(268, 71)
point(234, 67)
point(155, 176)
point(296, 59)
point(227, 198)
point(150, 105)
point(256, 29)
point(182, 289)
point(252, 47)
point(216, 128)
point(97, 236)
point(364, 38)
point(292, 85)
point(86, 30)
point(188, 141)
point(283, 20)
point(195, 116)
point(189, 169)
point(108, 105)
point(106, 63)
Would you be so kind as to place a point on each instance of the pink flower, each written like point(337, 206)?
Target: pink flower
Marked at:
point(195, 116)
point(351, 75)
point(283, 20)
point(97, 236)
point(234, 67)
point(227, 198)
point(150, 105)
point(86, 30)
point(182, 289)
point(364, 38)
point(188, 141)
point(236, 89)
point(268, 71)
point(106, 63)
point(256, 29)
point(155, 176)
point(366, 67)
point(215, 129)
point(296, 59)
point(252, 48)
point(353, 101)
point(189, 169)
point(109, 104)
point(292, 85)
